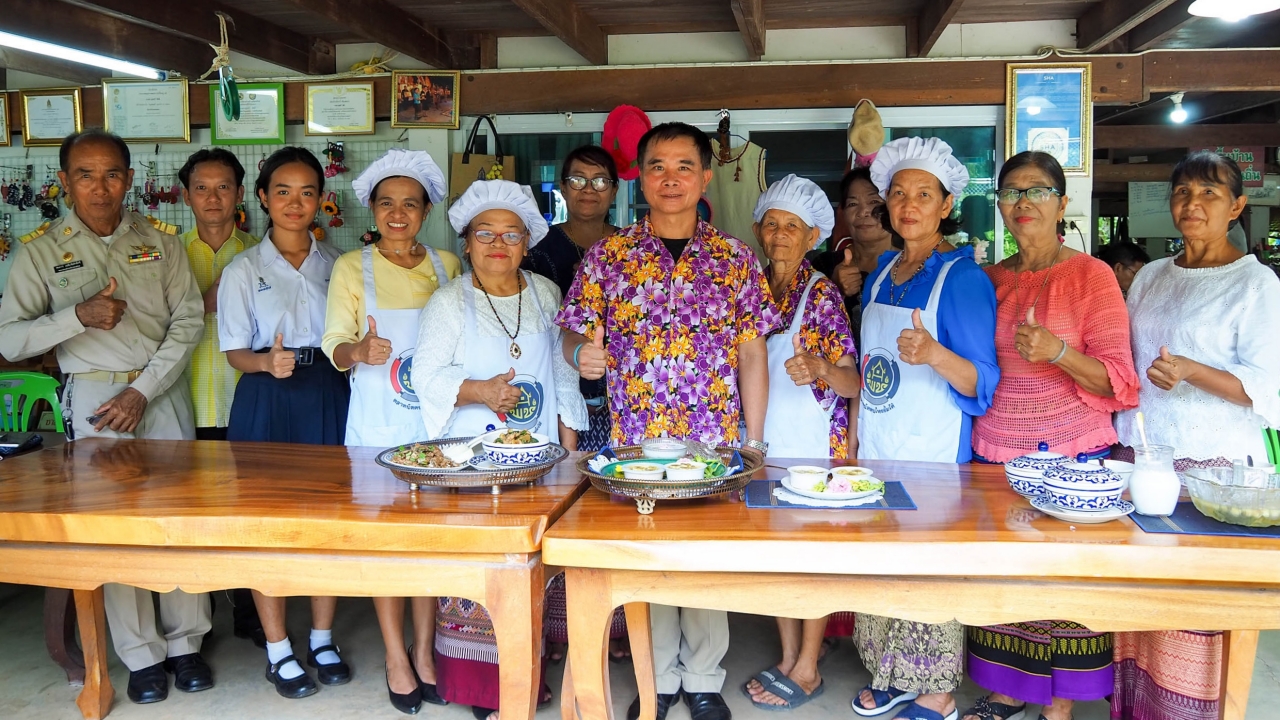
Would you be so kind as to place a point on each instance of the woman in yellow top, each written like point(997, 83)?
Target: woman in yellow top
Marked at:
point(371, 328)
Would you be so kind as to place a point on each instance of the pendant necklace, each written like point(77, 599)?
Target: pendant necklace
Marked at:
point(514, 349)
point(906, 284)
point(1020, 314)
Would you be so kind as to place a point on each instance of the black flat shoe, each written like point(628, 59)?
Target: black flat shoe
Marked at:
point(332, 674)
point(428, 690)
point(298, 687)
point(707, 706)
point(480, 713)
point(408, 703)
point(256, 635)
point(664, 704)
point(190, 672)
point(148, 685)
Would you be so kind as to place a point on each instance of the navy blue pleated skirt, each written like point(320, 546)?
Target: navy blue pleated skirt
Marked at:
point(308, 407)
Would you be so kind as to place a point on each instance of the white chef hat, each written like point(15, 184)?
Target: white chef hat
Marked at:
point(485, 195)
point(916, 153)
point(802, 198)
point(397, 162)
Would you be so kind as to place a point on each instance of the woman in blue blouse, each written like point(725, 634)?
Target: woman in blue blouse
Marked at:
point(928, 367)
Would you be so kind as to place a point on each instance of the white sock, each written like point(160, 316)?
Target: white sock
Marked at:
point(278, 651)
point(320, 638)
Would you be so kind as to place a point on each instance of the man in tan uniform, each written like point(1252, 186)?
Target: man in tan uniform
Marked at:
point(117, 298)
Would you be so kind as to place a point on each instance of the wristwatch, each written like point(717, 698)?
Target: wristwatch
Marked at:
point(758, 445)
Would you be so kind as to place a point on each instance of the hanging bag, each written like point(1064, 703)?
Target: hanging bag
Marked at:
point(468, 166)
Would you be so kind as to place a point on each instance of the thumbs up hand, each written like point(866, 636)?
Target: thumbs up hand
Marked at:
point(805, 368)
point(372, 350)
point(593, 359)
point(1034, 343)
point(1168, 370)
point(915, 345)
point(499, 394)
point(278, 361)
point(102, 311)
point(847, 275)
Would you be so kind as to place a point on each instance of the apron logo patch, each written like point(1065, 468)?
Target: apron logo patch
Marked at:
point(880, 377)
point(262, 284)
point(528, 410)
point(401, 368)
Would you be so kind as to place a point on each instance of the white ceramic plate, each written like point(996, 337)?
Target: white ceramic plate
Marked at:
point(786, 483)
point(1092, 517)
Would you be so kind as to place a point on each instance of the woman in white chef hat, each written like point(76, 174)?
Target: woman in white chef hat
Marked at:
point(371, 328)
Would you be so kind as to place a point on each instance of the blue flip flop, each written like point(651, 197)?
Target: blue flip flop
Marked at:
point(765, 677)
point(885, 700)
point(912, 711)
point(789, 690)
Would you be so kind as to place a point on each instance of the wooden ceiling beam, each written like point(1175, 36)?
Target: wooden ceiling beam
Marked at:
point(198, 20)
point(749, 14)
point(1127, 137)
point(74, 73)
point(1220, 105)
point(1111, 20)
point(84, 29)
point(567, 21)
point(933, 19)
point(1160, 26)
point(382, 22)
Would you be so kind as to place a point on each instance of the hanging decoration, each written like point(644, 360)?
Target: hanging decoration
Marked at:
point(228, 93)
point(317, 231)
point(6, 237)
point(331, 208)
point(242, 218)
point(336, 155)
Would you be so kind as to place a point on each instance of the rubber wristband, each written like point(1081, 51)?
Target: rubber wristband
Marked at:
point(1060, 354)
point(575, 356)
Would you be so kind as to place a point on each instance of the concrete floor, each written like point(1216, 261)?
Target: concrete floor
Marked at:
point(31, 686)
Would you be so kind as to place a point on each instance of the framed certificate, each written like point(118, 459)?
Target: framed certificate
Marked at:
point(340, 109)
point(4, 119)
point(49, 115)
point(147, 111)
point(424, 99)
point(261, 116)
point(1049, 107)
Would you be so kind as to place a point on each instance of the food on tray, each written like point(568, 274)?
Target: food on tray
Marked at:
point(663, 448)
point(715, 466)
point(514, 437)
point(850, 472)
point(642, 471)
point(686, 469)
point(421, 455)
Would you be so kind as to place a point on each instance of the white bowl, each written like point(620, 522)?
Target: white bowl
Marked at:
point(685, 470)
point(663, 448)
point(851, 472)
point(807, 476)
point(1121, 468)
point(642, 471)
point(521, 454)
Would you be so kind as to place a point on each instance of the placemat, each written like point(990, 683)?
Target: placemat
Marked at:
point(760, 495)
point(1187, 520)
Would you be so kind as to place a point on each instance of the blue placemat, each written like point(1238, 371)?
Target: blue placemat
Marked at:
point(760, 495)
point(1187, 520)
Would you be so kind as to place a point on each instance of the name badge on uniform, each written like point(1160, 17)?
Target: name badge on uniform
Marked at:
point(144, 253)
point(68, 266)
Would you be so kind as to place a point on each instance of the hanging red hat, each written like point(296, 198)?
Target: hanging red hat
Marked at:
point(623, 129)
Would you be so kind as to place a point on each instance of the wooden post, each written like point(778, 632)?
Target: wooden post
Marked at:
point(95, 699)
point(1239, 648)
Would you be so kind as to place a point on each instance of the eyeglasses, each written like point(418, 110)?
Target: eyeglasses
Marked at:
point(599, 184)
point(1009, 196)
point(487, 237)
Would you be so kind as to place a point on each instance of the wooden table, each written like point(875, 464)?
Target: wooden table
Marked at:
point(283, 519)
point(974, 551)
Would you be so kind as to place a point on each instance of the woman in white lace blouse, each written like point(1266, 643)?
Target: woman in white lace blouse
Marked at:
point(1206, 330)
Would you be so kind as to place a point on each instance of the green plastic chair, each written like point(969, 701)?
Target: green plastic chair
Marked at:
point(19, 392)
point(1272, 438)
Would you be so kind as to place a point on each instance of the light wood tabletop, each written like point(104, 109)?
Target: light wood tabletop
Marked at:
point(973, 551)
point(283, 519)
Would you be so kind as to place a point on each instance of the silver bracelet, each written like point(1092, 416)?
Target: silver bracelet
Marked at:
point(1060, 354)
point(762, 447)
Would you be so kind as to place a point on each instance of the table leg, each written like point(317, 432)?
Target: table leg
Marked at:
point(60, 633)
point(638, 629)
point(590, 605)
point(568, 700)
point(95, 699)
point(514, 599)
point(1239, 648)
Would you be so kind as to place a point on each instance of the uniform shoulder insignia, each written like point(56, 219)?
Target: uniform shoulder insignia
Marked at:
point(44, 228)
point(162, 226)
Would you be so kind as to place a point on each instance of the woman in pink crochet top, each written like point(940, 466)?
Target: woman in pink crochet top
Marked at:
point(1062, 341)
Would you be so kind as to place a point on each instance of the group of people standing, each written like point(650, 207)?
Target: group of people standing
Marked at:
point(905, 349)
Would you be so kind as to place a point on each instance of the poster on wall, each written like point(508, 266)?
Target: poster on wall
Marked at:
point(4, 119)
point(1252, 161)
point(261, 116)
point(147, 111)
point(1049, 108)
point(340, 109)
point(424, 99)
point(49, 115)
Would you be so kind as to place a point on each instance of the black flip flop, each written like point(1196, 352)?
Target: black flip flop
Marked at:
point(790, 691)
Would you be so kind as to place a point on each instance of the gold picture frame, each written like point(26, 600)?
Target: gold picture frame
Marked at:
point(440, 109)
point(152, 111)
point(4, 119)
point(1049, 107)
point(334, 108)
point(50, 125)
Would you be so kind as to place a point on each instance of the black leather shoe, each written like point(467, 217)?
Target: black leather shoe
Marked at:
point(190, 672)
point(244, 618)
point(428, 690)
point(295, 688)
point(332, 674)
point(707, 706)
point(253, 634)
point(664, 704)
point(148, 685)
point(408, 703)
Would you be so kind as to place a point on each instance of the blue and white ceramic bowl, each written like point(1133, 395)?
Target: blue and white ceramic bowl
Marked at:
point(1025, 473)
point(523, 454)
point(1086, 502)
point(1026, 487)
point(1083, 486)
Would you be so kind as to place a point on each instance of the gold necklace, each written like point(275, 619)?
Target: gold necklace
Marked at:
point(1020, 315)
point(906, 284)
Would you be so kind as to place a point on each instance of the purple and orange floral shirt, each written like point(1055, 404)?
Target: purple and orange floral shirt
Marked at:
point(824, 331)
point(673, 328)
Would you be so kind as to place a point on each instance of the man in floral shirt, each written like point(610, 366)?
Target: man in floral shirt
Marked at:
point(674, 314)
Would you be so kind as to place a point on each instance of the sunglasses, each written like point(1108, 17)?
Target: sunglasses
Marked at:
point(1009, 196)
point(599, 184)
point(488, 237)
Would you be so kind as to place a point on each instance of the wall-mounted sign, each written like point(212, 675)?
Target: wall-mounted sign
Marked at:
point(1049, 107)
point(1252, 161)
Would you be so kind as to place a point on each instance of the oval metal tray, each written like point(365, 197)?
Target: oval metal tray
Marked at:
point(515, 475)
point(645, 492)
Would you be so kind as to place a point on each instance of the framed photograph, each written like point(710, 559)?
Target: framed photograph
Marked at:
point(147, 111)
point(4, 119)
point(261, 116)
point(1049, 107)
point(424, 99)
point(49, 115)
point(340, 109)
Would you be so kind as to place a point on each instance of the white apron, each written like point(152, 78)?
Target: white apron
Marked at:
point(384, 410)
point(795, 425)
point(906, 411)
point(535, 376)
